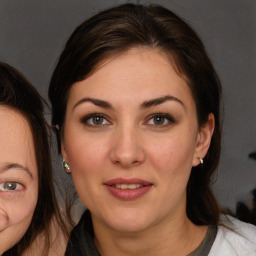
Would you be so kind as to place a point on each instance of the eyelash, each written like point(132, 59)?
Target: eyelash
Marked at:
point(85, 120)
point(18, 186)
point(167, 117)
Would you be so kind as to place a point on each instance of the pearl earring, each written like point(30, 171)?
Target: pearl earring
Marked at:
point(65, 165)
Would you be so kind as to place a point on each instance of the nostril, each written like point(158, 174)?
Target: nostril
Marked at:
point(126, 150)
point(128, 160)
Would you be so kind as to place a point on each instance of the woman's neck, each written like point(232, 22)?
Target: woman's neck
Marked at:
point(177, 237)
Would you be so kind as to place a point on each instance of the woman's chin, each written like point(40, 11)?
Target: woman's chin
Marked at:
point(129, 227)
point(128, 222)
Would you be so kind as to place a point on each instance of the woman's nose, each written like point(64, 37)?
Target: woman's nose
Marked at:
point(127, 149)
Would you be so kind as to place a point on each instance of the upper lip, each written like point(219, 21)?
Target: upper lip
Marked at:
point(127, 181)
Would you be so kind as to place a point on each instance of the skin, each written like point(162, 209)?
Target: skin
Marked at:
point(18, 177)
point(128, 142)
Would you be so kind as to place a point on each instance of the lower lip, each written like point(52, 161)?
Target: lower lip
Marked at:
point(128, 194)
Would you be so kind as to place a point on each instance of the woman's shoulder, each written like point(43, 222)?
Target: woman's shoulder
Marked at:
point(234, 237)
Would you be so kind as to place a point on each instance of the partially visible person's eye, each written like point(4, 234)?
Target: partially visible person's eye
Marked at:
point(95, 120)
point(160, 119)
point(10, 186)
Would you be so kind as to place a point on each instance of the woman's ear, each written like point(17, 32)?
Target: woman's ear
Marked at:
point(65, 162)
point(63, 151)
point(204, 140)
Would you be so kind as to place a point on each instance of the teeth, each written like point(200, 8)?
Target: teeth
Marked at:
point(127, 186)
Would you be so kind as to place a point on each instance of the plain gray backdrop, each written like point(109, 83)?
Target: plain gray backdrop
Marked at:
point(33, 33)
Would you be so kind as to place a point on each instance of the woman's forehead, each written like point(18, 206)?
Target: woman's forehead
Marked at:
point(138, 75)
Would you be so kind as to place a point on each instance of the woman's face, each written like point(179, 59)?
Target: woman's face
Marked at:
point(18, 177)
point(131, 138)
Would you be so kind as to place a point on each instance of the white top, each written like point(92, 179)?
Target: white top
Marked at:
point(240, 241)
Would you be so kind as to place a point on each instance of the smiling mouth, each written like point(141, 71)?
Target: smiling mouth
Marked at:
point(127, 186)
point(128, 189)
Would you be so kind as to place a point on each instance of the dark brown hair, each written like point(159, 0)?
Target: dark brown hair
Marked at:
point(17, 93)
point(118, 29)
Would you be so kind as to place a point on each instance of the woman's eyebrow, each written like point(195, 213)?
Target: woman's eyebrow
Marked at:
point(8, 166)
point(158, 101)
point(97, 102)
point(145, 104)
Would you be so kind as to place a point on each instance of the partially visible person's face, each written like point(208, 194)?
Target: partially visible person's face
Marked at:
point(131, 138)
point(18, 177)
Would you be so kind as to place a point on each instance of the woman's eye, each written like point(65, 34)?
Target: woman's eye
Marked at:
point(95, 120)
point(160, 120)
point(10, 186)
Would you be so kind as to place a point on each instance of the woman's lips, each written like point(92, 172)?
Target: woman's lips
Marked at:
point(128, 189)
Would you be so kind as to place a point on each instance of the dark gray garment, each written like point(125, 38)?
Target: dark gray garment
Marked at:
point(81, 240)
point(206, 245)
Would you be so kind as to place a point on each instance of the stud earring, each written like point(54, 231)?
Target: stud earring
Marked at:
point(65, 165)
point(201, 160)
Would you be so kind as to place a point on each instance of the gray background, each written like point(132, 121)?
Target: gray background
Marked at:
point(33, 33)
